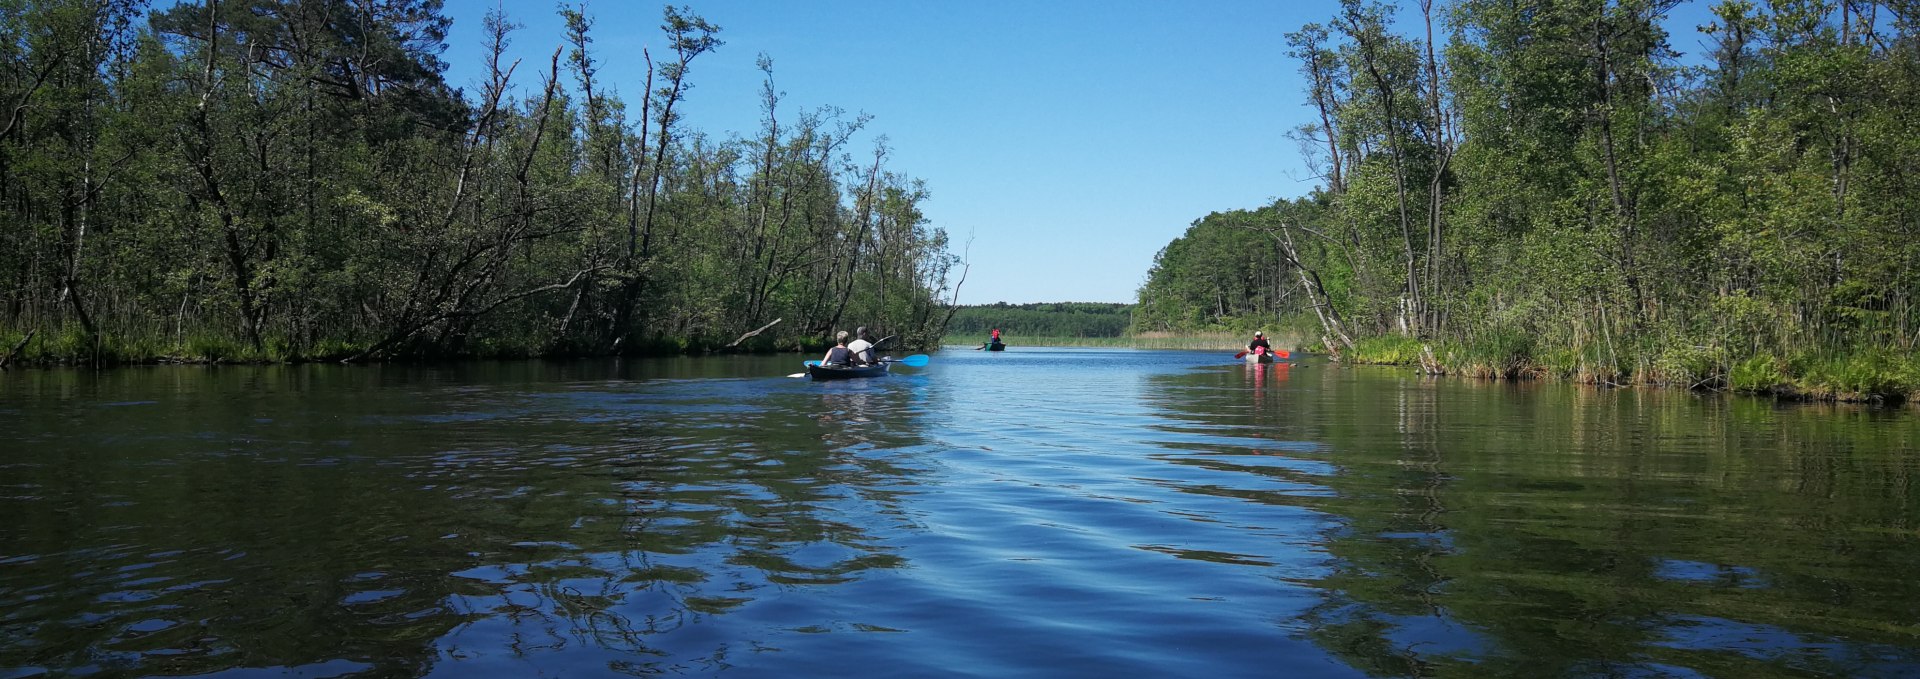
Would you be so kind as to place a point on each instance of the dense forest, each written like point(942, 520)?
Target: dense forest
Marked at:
point(1059, 320)
point(295, 179)
point(1535, 187)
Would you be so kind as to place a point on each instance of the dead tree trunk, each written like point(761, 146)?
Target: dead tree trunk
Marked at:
point(1333, 329)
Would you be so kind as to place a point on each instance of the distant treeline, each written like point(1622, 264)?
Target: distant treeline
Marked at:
point(266, 179)
point(1061, 319)
point(1541, 187)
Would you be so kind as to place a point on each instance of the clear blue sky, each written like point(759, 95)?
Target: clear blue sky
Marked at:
point(1068, 140)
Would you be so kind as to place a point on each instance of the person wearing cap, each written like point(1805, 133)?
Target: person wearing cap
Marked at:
point(861, 347)
point(1259, 344)
point(839, 354)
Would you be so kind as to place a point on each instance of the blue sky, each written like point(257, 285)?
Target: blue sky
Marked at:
point(1066, 140)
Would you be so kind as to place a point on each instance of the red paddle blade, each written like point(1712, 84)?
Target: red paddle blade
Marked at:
point(1282, 353)
point(1240, 355)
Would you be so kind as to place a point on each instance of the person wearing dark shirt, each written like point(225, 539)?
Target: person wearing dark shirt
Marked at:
point(1259, 344)
point(838, 355)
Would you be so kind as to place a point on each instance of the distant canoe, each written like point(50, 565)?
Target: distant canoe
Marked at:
point(1259, 358)
point(996, 346)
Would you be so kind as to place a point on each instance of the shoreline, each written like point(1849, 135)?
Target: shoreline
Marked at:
point(115, 355)
point(1792, 388)
point(1872, 378)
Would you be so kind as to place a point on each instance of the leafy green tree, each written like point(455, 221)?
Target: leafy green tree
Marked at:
point(259, 179)
point(1542, 189)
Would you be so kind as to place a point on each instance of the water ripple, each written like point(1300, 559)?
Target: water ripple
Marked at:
point(1027, 513)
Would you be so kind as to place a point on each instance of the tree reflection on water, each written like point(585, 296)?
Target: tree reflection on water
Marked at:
point(1493, 529)
point(435, 526)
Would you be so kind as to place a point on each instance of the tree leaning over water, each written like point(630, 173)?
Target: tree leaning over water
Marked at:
point(272, 179)
point(1551, 190)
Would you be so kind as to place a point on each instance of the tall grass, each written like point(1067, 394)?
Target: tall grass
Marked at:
point(1826, 375)
point(1854, 376)
point(71, 345)
point(1384, 350)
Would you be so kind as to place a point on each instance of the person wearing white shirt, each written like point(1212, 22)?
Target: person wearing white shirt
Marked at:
point(861, 347)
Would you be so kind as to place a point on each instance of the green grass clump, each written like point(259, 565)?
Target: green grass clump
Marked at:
point(1501, 353)
point(1870, 375)
point(1758, 374)
point(1855, 376)
point(334, 350)
point(1385, 350)
point(212, 348)
point(1685, 364)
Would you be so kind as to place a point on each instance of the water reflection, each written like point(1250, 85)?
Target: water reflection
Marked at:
point(1070, 512)
point(1551, 530)
point(319, 520)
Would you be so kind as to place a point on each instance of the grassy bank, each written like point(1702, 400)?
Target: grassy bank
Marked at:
point(72, 346)
point(1870, 375)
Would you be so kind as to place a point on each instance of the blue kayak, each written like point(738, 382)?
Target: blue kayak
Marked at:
point(842, 372)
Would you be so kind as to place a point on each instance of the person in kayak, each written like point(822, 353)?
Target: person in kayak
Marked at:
point(861, 347)
point(1259, 344)
point(839, 355)
point(996, 336)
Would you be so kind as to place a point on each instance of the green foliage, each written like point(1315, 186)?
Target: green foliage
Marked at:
point(1061, 319)
point(1687, 364)
point(1854, 376)
point(1210, 342)
point(1601, 214)
point(258, 182)
point(1496, 352)
point(1223, 275)
point(1386, 350)
point(1761, 373)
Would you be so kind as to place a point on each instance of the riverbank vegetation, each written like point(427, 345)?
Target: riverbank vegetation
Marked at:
point(1550, 189)
point(1061, 319)
point(262, 180)
point(1196, 341)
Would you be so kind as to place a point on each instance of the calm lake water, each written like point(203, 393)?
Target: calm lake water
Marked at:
point(1098, 513)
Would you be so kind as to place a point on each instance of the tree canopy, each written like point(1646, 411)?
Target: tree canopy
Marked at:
point(272, 178)
point(1547, 182)
point(1058, 319)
